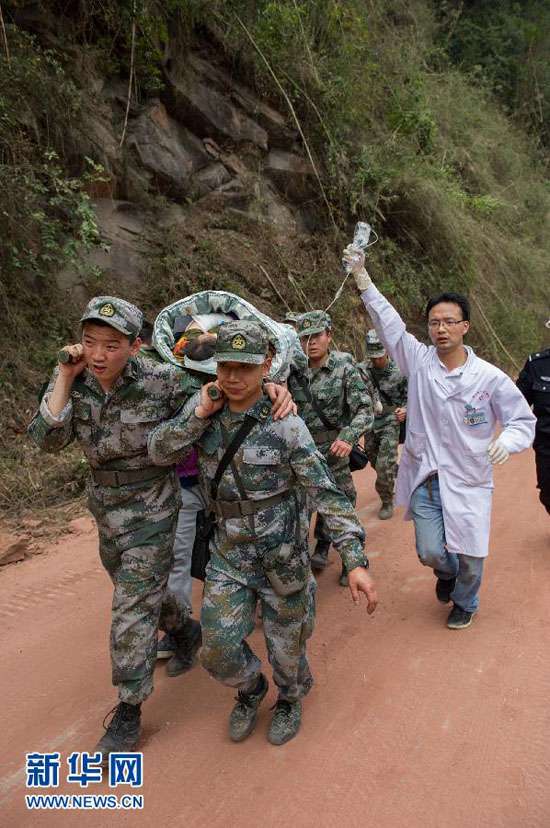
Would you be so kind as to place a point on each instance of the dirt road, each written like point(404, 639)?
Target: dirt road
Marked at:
point(409, 724)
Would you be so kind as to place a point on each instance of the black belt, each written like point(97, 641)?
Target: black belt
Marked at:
point(121, 477)
point(244, 508)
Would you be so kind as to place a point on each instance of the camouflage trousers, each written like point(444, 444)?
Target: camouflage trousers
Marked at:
point(339, 467)
point(381, 445)
point(139, 563)
point(228, 618)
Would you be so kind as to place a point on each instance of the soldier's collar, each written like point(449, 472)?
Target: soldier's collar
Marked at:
point(260, 411)
point(132, 369)
point(331, 361)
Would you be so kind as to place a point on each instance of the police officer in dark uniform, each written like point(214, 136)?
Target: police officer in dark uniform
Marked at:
point(534, 383)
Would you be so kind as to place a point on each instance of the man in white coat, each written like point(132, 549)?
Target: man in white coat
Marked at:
point(455, 401)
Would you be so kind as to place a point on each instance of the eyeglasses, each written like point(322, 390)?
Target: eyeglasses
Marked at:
point(434, 324)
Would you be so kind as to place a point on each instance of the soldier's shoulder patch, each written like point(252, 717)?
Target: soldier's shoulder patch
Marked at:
point(107, 310)
point(265, 411)
point(238, 343)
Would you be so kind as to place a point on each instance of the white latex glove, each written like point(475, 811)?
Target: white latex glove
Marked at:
point(378, 407)
point(497, 453)
point(354, 258)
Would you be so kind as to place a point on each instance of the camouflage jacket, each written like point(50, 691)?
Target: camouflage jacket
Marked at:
point(340, 392)
point(112, 431)
point(388, 385)
point(276, 456)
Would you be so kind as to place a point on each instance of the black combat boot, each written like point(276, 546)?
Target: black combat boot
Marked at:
point(188, 639)
point(122, 733)
point(242, 720)
point(319, 559)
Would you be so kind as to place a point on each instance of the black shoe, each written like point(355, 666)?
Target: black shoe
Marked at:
point(444, 589)
point(166, 647)
point(459, 619)
point(319, 559)
point(242, 720)
point(187, 641)
point(122, 733)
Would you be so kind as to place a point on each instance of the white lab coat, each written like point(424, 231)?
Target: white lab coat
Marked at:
point(451, 419)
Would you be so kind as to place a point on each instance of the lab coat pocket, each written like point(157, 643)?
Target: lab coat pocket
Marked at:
point(477, 469)
point(415, 445)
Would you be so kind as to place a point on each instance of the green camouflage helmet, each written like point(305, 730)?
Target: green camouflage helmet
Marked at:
point(313, 322)
point(119, 314)
point(373, 345)
point(242, 341)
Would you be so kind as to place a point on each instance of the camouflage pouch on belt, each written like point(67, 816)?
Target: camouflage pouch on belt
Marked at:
point(287, 566)
point(287, 569)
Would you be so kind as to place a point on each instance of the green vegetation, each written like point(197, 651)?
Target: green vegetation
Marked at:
point(430, 120)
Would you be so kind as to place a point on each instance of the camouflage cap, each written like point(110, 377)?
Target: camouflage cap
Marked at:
point(242, 341)
point(313, 322)
point(373, 345)
point(119, 314)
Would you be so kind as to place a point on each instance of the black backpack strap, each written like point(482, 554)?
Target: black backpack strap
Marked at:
point(245, 429)
point(311, 399)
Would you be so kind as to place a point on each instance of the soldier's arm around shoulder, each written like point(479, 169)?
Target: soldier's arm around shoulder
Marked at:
point(170, 441)
point(360, 405)
point(51, 433)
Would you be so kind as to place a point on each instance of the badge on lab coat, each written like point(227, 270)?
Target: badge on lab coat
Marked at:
point(474, 416)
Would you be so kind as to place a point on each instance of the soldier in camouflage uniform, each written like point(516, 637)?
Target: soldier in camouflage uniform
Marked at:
point(337, 387)
point(109, 399)
point(389, 388)
point(259, 549)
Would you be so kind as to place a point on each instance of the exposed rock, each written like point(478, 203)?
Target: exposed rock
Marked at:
point(12, 549)
point(167, 150)
point(97, 139)
point(209, 178)
point(270, 206)
point(291, 173)
point(236, 194)
point(123, 228)
point(272, 121)
point(205, 108)
point(280, 135)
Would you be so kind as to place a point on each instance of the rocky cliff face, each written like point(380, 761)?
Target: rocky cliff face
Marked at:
point(208, 145)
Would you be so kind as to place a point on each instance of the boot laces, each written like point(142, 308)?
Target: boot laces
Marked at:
point(244, 700)
point(282, 705)
point(118, 715)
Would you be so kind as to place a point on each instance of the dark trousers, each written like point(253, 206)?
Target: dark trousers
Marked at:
point(542, 460)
